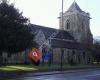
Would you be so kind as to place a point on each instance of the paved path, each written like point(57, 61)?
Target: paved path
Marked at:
point(92, 74)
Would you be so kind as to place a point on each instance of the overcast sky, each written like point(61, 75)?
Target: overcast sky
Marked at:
point(46, 12)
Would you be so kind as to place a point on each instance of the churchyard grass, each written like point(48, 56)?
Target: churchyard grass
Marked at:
point(46, 67)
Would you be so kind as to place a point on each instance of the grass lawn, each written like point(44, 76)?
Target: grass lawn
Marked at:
point(18, 68)
point(43, 68)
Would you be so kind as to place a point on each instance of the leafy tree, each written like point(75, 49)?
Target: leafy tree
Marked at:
point(93, 49)
point(96, 51)
point(15, 32)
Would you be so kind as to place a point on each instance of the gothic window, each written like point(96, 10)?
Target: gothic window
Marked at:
point(73, 52)
point(67, 24)
point(84, 55)
point(79, 58)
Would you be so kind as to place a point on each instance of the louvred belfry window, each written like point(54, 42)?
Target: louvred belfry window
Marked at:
point(67, 24)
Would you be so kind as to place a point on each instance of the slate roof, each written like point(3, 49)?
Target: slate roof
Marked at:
point(49, 31)
point(62, 40)
point(74, 7)
point(64, 35)
point(65, 44)
point(46, 30)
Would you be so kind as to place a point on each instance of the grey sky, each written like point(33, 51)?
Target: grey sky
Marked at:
point(45, 12)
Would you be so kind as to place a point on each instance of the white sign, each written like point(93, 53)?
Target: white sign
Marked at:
point(34, 54)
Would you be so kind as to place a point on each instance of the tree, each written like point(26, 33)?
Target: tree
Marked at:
point(15, 32)
point(96, 51)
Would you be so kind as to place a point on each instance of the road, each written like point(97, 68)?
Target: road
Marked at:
point(76, 75)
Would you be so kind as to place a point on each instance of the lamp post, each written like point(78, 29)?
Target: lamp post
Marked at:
point(62, 14)
point(62, 51)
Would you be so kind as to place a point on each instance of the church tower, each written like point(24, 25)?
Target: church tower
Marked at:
point(77, 23)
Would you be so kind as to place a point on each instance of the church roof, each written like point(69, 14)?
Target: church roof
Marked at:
point(49, 31)
point(57, 43)
point(64, 35)
point(62, 40)
point(46, 30)
point(74, 7)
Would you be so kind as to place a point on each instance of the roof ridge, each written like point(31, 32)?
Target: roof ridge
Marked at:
point(44, 26)
point(74, 7)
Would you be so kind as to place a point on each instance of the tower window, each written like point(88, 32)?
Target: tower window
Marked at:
point(68, 25)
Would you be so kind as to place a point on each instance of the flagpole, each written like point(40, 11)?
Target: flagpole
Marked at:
point(62, 51)
point(62, 14)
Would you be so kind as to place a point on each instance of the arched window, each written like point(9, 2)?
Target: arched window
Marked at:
point(67, 24)
point(73, 52)
point(84, 55)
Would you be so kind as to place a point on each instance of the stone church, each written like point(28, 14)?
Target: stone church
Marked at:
point(77, 23)
point(69, 38)
point(66, 40)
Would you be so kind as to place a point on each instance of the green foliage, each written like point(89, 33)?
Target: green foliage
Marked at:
point(40, 68)
point(17, 68)
point(15, 33)
point(96, 51)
